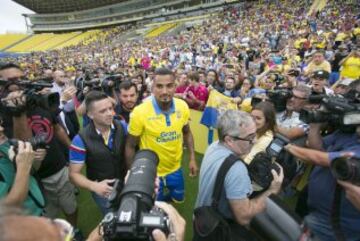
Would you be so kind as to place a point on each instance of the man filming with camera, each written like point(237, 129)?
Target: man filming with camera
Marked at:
point(332, 214)
point(288, 121)
point(38, 107)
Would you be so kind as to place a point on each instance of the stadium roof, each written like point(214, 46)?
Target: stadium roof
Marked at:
point(63, 6)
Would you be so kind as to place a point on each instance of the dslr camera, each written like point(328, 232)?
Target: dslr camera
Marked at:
point(263, 162)
point(37, 142)
point(134, 216)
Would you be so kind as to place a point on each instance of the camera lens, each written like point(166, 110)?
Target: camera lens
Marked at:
point(346, 169)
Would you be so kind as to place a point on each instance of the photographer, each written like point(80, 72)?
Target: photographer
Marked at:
point(327, 219)
point(12, 220)
point(288, 121)
point(237, 132)
point(42, 122)
point(17, 186)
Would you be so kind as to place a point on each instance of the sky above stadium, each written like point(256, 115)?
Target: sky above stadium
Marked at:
point(11, 19)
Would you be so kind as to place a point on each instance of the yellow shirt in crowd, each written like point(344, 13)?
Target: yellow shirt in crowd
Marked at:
point(351, 68)
point(313, 67)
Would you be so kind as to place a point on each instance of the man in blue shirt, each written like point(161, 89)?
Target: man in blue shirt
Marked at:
point(100, 145)
point(322, 183)
point(237, 133)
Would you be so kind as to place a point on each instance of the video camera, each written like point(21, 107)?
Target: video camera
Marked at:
point(346, 169)
point(278, 97)
point(49, 101)
point(335, 110)
point(116, 79)
point(134, 216)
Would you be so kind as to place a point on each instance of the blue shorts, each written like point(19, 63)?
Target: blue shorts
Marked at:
point(172, 187)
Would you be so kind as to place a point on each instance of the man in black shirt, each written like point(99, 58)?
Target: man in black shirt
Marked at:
point(53, 172)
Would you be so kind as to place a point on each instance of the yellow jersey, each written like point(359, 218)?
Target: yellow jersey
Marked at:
point(161, 132)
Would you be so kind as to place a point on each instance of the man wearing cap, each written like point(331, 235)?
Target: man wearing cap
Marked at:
point(318, 62)
point(318, 82)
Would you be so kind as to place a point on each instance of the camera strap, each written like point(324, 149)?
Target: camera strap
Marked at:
point(335, 214)
point(220, 178)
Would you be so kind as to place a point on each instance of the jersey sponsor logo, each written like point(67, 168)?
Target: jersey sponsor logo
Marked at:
point(168, 136)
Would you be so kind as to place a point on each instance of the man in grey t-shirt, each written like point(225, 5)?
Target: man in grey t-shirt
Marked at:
point(237, 132)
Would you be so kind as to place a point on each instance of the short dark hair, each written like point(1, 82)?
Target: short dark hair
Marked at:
point(4, 66)
point(164, 71)
point(126, 85)
point(93, 96)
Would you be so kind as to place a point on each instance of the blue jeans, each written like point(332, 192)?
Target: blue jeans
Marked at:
point(323, 230)
point(102, 203)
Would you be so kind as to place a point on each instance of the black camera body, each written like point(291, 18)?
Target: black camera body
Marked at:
point(277, 145)
point(346, 169)
point(134, 216)
point(336, 110)
point(49, 101)
point(37, 142)
point(279, 97)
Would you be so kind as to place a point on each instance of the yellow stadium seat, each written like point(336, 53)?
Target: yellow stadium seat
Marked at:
point(31, 42)
point(8, 39)
point(156, 31)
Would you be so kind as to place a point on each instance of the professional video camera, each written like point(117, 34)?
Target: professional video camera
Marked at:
point(88, 79)
point(112, 81)
point(346, 169)
point(279, 97)
point(134, 216)
point(335, 110)
point(49, 101)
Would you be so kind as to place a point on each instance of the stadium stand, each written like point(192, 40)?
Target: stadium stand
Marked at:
point(156, 31)
point(55, 41)
point(8, 39)
point(78, 39)
point(30, 43)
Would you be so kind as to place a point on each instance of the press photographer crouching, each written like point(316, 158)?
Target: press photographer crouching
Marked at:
point(332, 214)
